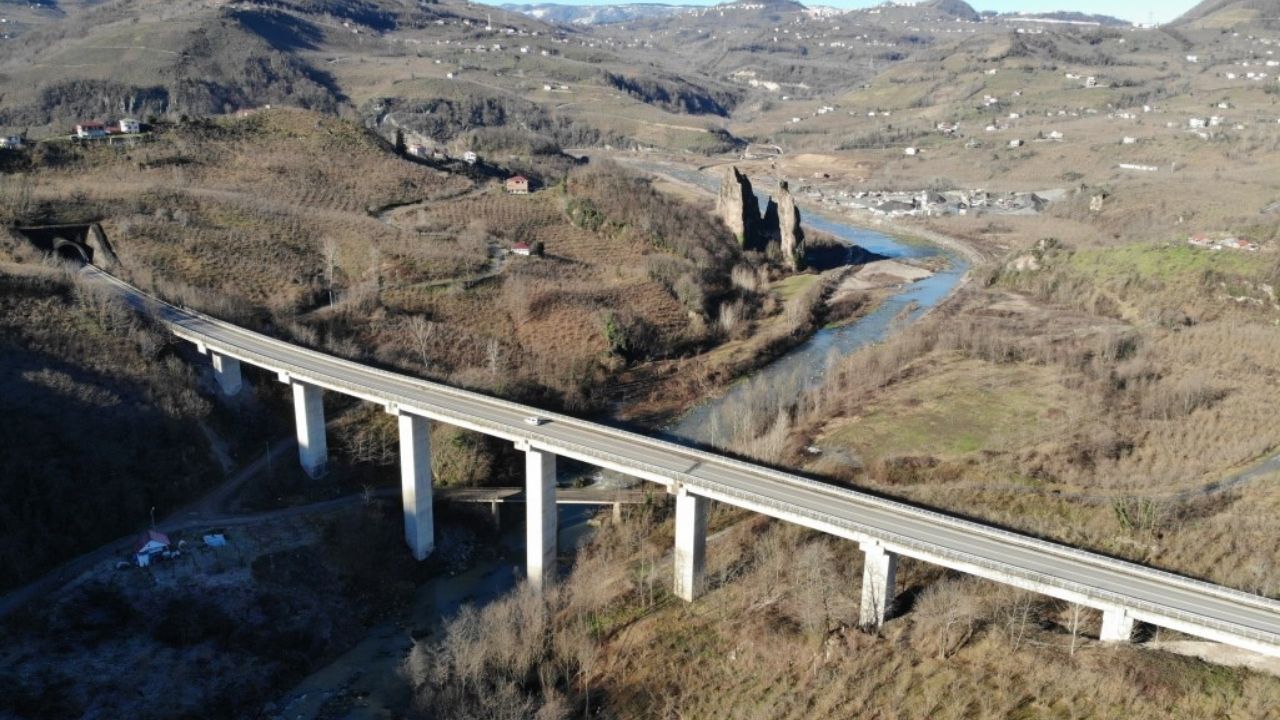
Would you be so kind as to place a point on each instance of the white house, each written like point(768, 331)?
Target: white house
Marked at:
point(90, 129)
point(11, 142)
point(911, 151)
point(149, 544)
point(469, 157)
point(129, 126)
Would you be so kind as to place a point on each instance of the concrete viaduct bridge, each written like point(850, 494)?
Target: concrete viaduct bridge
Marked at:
point(1124, 592)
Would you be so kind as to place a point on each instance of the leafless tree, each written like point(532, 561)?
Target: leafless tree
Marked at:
point(493, 355)
point(1075, 618)
point(814, 587)
point(947, 611)
point(329, 250)
point(422, 333)
point(1017, 616)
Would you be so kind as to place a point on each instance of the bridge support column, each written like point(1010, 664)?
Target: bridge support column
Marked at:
point(308, 410)
point(1117, 626)
point(227, 371)
point(415, 484)
point(879, 567)
point(540, 523)
point(691, 545)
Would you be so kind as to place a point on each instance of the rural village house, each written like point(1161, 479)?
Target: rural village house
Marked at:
point(518, 185)
point(151, 543)
point(90, 129)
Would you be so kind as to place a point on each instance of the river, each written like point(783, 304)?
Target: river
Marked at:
point(806, 364)
point(366, 681)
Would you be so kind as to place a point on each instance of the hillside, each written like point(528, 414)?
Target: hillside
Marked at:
point(1220, 14)
point(111, 422)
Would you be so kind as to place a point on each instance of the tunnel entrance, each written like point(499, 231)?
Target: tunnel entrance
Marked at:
point(77, 243)
point(73, 252)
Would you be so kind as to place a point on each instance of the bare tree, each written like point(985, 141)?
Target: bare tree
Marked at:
point(1075, 618)
point(948, 611)
point(421, 333)
point(329, 250)
point(814, 587)
point(493, 353)
point(1018, 615)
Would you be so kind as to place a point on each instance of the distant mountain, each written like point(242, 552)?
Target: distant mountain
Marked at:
point(595, 14)
point(1071, 16)
point(627, 12)
point(955, 8)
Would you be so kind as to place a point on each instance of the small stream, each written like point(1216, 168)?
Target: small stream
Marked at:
point(368, 677)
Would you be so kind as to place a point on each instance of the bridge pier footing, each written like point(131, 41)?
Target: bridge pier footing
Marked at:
point(1117, 626)
point(308, 410)
point(691, 545)
point(540, 517)
point(227, 371)
point(415, 484)
point(879, 568)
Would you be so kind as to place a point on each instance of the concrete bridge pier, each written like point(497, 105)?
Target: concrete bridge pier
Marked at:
point(1117, 626)
point(308, 410)
point(691, 544)
point(879, 568)
point(415, 483)
point(540, 516)
point(227, 371)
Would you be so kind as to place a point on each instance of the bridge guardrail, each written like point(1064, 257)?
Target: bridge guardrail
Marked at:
point(701, 455)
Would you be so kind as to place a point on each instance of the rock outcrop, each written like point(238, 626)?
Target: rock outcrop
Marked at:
point(779, 228)
point(789, 230)
point(737, 206)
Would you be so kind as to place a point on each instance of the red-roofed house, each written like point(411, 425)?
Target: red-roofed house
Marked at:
point(518, 185)
point(149, 543)
point(522, 248)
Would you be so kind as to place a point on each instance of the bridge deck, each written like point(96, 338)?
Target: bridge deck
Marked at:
point(1147, 594)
